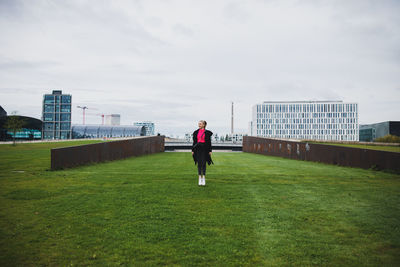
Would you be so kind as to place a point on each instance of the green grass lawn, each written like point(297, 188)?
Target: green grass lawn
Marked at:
point(372, 147)
point(255, 210)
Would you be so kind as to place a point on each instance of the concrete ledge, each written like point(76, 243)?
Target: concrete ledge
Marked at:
point(338, 155)
point(67, 157)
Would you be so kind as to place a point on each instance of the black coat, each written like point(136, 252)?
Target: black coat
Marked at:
point(207, 138)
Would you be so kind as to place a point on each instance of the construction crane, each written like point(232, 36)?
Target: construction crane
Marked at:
point(97, 114)
point(83, 109)
point(102, 117)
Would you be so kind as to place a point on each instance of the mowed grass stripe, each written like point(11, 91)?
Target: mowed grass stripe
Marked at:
point(255, 210)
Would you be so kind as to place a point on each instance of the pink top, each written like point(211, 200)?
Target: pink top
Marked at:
point(201, 137)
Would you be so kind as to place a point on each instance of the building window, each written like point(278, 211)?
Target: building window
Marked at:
point(48, 117)
point(65, 135)
point(48, 126)
point(65, 117)
point(49, 99)
point(48, 135)
point(48, 108)
point(65, 126)
point(66, 99)
point(65, 108)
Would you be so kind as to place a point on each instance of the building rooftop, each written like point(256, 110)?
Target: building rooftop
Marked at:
point(2, 112)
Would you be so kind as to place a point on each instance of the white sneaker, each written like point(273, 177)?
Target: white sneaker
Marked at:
point(204, 181)
point(200, 181)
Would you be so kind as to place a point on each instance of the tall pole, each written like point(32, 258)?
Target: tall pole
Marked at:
point(232, 120)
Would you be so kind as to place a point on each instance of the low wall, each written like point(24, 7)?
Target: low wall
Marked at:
point(339, 155)
point(67, 157)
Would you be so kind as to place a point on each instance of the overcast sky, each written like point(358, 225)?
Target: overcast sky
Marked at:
point(176, 62)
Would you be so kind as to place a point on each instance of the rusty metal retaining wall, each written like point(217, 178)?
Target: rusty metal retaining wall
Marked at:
point(339, 155)
point(67, 157)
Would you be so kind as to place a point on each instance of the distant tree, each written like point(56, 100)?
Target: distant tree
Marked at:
point(388, 139)
point(227, 137)
point(14, 124)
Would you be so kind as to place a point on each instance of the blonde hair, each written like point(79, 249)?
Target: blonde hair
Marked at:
point(204, 122)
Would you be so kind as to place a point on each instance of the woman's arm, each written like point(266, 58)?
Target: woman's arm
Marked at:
point(194, 140)
point(209, 142)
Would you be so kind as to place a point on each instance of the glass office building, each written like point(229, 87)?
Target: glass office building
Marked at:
point(149, 127)
point(104, 131)
point(32, 129)
point(306, 120)
point(369, 132)
point(56, 115)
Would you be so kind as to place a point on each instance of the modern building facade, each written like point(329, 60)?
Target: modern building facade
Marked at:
point(310, 120)
point(113, 119)
point(104, 131)
point(31, 129)
point(56, 115)
point(149, 126)
point(369, 132)
point(3, 113)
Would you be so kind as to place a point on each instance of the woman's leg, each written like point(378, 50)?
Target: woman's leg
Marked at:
point(202, 161)
point(199, 168)
point(203, 172)
point(199, 172)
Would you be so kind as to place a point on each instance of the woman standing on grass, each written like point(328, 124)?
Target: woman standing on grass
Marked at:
point(201, 150)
